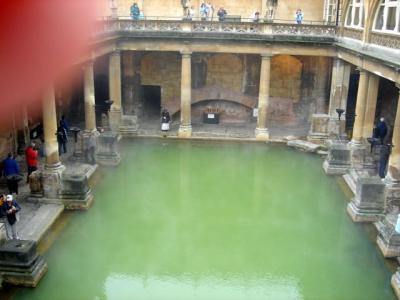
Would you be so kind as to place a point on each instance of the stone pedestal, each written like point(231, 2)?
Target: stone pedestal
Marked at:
point(129, 126)
point(319, 128)
point(35, 184)
point(107, 149)
point(392, 195)
point(337, 128)
point(358, 155)
point(20, 263)
point(262, 134)
point(185, 131)
point(396, 283)
point(388, 239)
point(368, 205)
point(51, 180)
point(75, 193)
point(79, 152)
point(338, 159)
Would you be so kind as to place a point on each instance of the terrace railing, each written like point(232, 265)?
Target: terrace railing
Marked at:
point(244, 26)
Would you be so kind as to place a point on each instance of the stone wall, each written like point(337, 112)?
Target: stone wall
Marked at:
point(299, 85)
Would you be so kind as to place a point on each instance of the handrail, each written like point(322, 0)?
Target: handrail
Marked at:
point(215, 20)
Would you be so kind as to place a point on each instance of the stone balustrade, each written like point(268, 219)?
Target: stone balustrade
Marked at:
point(261, 29)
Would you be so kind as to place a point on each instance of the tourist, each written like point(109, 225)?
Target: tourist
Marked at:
point(31, 155)
point(91, 145)
point(135, 11)
point(64, 123)
point(209, 11)
point(186, 6)
point(299, 16)
point(165, 120)
point(190, 13)
point(62, 139)
point(381, 130)
point(2, 208)
point(383, 159)
point(11, 172)
point(11, 208)
point(221, 14)
point(255, 17)
point(203, 11)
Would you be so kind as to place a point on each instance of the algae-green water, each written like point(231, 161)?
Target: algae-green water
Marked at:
point(201, 220)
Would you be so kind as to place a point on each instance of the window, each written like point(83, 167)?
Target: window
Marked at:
point(387, 18)
point(355, 14)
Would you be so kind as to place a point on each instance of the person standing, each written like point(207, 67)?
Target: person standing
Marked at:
point(11, 208)
point(255, 17)
point(165, 120)
point(11, 172)
point(221, 14)
point(62, 139)
point(384, 154)
point(135, 11)
point(381, 130)
point(210, 11)
point(91, 144)
point(299, 16)
point(64, 123)
point(31, 155)
point(203, 11)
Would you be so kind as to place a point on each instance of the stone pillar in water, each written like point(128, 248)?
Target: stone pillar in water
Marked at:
point(115, 89)
point(262, 133)
point(185, 129)
point(368, 204)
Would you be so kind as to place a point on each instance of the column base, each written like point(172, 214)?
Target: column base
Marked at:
point(262, 134)
point(114, 119)
point(361, 215)
point(107, 149)
point(185, 131)
point(388, 239)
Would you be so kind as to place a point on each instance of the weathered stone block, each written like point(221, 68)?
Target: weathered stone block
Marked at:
point(319, 127)
point(368, 205)
point(338, 160)
point(20, 263)
point(107, 149)
point(395, 281)
point(76, 193)
point(129, 126)
point(3, 234)
point(303, 145)
point(35, 184)
point(388, 239)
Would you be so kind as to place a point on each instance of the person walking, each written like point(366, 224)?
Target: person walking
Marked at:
point(31, 155)
point(11, 172)
point(299, 16)
point(221, 14)
point(135, 11)
point(62, 139)
point(11, 209)
point(381, 130)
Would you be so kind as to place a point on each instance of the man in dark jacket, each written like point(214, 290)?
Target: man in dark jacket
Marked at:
point(11, 172)
point(381, 130)
point(221, 14)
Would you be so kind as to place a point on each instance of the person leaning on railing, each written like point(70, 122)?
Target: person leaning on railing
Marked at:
point(221, 14)
point(135, 11)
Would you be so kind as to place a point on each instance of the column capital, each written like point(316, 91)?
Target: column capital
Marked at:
point(361, 70)
point(186, 53)
point(266, 55)
point(116, 52)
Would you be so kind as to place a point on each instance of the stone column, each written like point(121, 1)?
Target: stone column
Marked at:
point(372, 96)
point(115, 89)
point(50, 129)
point(393, 174)
point(360, 108)
point(185, 129)
point(262, 133)
point(90, 114)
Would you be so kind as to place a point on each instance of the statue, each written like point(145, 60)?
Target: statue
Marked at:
point(271, 7)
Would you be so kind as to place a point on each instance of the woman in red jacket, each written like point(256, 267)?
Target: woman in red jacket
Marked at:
point(31, 155)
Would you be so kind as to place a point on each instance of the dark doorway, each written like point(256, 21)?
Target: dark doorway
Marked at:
point(351, 102)
point(151, 100)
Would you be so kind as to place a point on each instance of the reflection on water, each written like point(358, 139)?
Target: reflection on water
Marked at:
point(196, 220)
point(119, 286)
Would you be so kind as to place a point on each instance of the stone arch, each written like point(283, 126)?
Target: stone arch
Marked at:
point(225, 70)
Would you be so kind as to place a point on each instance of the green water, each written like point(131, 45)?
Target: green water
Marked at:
point(196, 220)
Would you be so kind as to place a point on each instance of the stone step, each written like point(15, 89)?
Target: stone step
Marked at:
point(35, 220)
